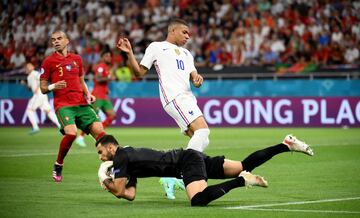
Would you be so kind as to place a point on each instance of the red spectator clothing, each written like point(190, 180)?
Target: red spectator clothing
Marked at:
point(101, 90)
point(297, 67)
point(183, 4)
point(153, 3)
point(225, 57)
point(116, 58)
point(307, 35)
point(322, 55)
point(56, 68)
point(8, 52)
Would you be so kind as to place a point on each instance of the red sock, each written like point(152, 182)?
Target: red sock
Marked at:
point(65, 146)
point(99, 136)
point(107, 121)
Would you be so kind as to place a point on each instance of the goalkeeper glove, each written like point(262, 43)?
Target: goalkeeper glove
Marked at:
point(103, 172)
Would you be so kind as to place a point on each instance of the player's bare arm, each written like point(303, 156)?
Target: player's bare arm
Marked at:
point(46, 88)
point(91, 98)
point(125, 46)
point(196, 79)
point(118, 188)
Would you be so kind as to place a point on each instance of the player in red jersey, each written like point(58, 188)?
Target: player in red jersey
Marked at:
point(101, 92)
point(64, 71)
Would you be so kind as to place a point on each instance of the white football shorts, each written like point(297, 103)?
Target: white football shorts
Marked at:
point(184, 110)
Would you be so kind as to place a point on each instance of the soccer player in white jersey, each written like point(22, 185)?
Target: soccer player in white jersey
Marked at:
point(38, 100)
point(175, 68)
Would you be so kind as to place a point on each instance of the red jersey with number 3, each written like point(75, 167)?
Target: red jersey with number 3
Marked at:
point(101, 90)
point(56, 68)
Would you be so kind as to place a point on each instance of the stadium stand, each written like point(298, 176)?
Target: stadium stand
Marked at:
point(230, 38)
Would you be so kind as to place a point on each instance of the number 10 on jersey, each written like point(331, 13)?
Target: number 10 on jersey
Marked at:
point(180, 64)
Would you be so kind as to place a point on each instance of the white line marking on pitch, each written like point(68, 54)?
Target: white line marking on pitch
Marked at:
point(259, 206)
point(40, 154)
point(305, 211)
point(294, 203)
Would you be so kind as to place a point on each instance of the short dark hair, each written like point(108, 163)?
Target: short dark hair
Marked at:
point(106, 139)
point(103, 52)
point(176, 21)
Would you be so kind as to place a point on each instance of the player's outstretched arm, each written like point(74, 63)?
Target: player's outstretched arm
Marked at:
point(125, 46)
point(119, 189)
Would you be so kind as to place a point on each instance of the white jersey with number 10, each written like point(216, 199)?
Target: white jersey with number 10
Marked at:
point(173, 65)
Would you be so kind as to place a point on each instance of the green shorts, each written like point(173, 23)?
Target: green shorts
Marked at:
point(102, 104)
point(82, 116)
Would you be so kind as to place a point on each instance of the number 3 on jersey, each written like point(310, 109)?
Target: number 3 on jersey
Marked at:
point(180, 64)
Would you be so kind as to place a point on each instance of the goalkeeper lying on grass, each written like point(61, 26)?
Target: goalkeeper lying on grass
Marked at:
point(192, 166)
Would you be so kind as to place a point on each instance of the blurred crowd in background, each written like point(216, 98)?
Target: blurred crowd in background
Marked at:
point(290, 35)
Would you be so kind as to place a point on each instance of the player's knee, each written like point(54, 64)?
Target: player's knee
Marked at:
point(70, 132)
point(199, 200)
point(113, 116)
point(30, 110)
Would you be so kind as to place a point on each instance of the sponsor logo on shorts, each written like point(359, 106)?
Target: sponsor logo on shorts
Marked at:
point(191, 113)
point(67, 118)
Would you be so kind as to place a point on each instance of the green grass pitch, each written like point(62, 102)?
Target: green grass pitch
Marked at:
point(326, 185)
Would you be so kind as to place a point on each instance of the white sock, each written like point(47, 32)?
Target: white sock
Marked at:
point(53, 118)
point(200, 140)
point(32, 118)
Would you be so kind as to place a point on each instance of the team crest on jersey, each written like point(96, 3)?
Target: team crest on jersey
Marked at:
point(68, 67)
point(177, 51)
point(100, 69)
